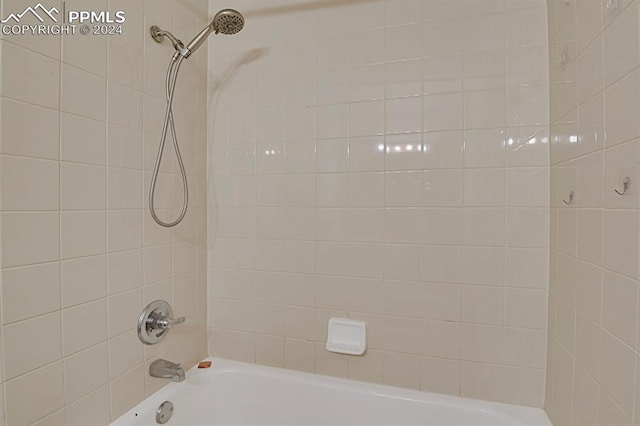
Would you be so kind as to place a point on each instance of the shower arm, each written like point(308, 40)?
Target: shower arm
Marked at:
point(158, 34)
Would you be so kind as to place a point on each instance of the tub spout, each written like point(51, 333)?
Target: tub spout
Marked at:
point(166, 370)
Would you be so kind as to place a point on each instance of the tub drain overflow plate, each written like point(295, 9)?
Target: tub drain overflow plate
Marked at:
point(164, 413)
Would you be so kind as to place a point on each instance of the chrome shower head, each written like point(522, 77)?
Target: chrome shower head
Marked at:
point(228, 21)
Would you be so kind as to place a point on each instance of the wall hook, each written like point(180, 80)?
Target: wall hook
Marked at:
point(626, 184)
point(572, 196)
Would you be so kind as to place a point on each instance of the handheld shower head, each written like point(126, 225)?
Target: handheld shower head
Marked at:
point(227, 21)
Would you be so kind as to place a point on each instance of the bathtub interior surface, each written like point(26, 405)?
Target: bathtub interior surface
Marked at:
point(243, 394)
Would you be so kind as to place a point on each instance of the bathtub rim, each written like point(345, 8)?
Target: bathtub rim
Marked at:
point(523, 414)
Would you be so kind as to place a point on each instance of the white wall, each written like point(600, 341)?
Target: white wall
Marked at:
point(592, 372)
point(80, 254)
point(385, 161)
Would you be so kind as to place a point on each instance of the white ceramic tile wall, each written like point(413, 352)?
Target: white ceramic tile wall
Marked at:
point(385, 161)
point(80, 253)
point(593, 306)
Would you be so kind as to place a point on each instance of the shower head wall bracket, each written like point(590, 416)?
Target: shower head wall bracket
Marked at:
point(158, 35)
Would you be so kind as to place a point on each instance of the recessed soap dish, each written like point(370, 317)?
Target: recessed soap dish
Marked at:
point(347, 336)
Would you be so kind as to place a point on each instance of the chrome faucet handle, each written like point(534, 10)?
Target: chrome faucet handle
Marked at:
point(155, 321)
point(164, 322)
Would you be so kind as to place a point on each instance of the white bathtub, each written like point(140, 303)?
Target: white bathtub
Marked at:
point(246, 394)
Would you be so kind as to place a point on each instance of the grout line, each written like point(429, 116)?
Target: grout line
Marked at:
point(59, 160)
point(462, 203)
point(507, 111)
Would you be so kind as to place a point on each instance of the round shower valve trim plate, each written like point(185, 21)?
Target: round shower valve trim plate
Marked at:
point(155, 321)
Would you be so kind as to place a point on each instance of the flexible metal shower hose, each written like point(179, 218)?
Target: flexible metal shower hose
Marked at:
point(172, 77)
